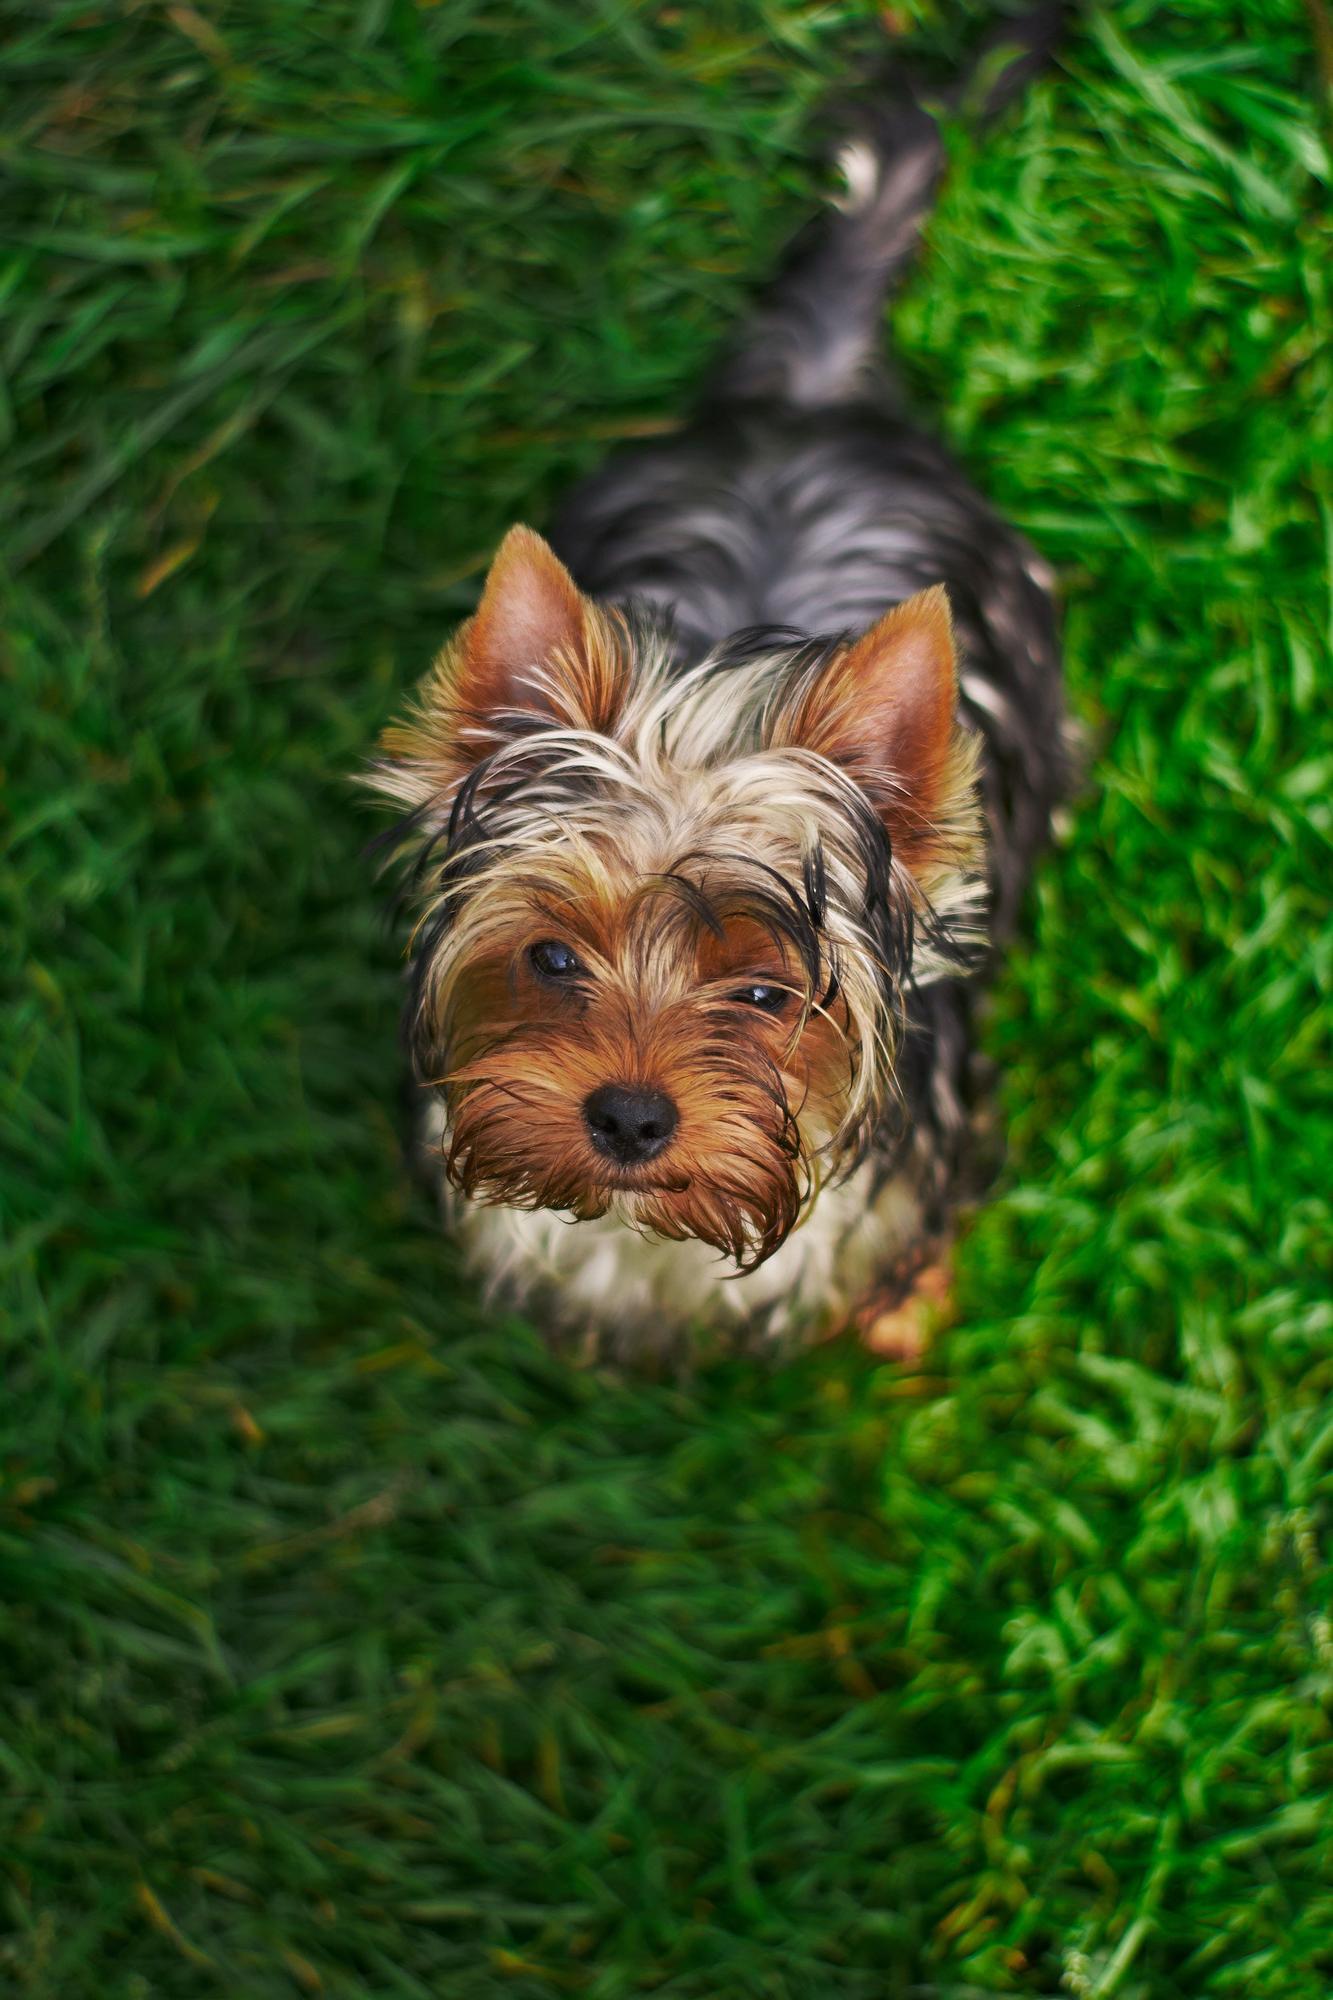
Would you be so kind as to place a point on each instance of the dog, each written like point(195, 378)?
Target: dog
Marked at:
point(715, 810)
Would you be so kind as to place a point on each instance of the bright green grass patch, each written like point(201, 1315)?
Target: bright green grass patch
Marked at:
point(351, 1645)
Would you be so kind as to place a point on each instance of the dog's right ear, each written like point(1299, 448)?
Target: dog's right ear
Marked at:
point(536, 654)
point(523, 652)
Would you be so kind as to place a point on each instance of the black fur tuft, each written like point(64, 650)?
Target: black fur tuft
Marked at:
point(814, 343)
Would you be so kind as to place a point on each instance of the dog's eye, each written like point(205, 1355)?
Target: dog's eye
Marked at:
point(552, 960)
point(768, 999)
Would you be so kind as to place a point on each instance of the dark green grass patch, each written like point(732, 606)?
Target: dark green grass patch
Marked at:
point(352, 1645)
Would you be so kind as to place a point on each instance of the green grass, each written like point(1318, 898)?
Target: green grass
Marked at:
point(350, 1643)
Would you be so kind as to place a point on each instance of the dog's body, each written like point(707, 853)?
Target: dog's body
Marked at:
point(809, 805)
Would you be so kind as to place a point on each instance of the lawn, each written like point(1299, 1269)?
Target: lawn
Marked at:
point(353, 1645)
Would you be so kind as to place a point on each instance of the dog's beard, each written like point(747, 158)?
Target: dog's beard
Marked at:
point(736, 1174)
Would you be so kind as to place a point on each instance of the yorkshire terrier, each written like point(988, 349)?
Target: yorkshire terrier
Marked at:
point(717, 805)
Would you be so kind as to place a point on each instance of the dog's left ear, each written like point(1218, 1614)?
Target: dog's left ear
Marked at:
point(536, 653)
point(885, 711)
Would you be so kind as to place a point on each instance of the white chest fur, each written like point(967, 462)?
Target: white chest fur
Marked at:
point(604, 1276)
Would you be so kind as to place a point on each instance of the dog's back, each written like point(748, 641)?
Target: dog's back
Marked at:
point(801, 499)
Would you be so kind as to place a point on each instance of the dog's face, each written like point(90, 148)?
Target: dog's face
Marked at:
point(666, 920)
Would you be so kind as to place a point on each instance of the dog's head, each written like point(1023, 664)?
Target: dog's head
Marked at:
point(666, 921)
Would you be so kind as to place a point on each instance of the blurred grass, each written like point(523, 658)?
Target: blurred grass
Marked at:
point(351, 1645)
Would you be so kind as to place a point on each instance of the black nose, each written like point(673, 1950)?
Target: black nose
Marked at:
point(629, 1125)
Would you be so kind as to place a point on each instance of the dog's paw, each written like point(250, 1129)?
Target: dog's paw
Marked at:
point(901, 1332)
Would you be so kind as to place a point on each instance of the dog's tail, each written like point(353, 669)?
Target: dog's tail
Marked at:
point(815, 340)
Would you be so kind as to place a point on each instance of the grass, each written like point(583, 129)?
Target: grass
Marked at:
point(351, 1645)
